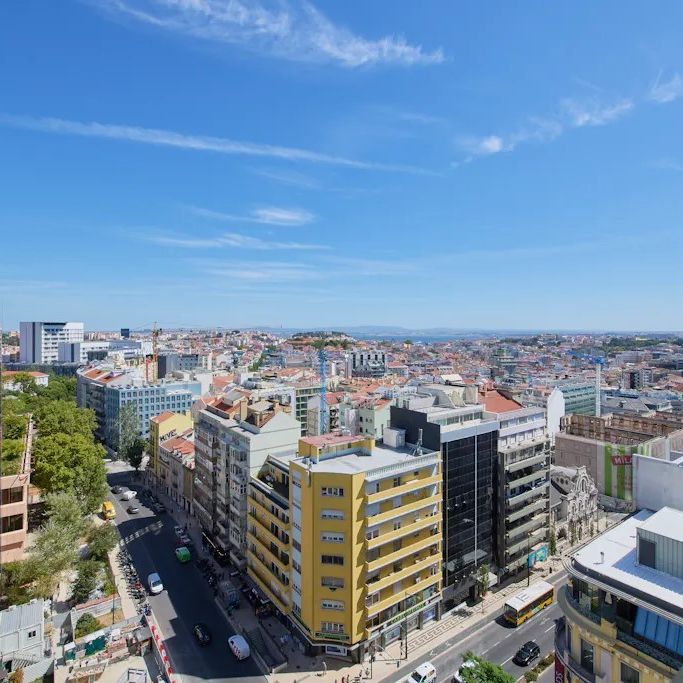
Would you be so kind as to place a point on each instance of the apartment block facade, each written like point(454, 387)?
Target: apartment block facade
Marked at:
point(522, 484)
point(623, 605)
point(468, 443)
point(345, 539)
point(39, 341)
point(231, 443)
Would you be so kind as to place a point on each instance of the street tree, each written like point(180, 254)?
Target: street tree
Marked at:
point(64, 508)
point(128, 429)
point(136, 453)
point(14, 426)
point(73, 464)
point(24, 382)
point(101, 540)
point(64, 417)
point(86, 580)
point(483, 671)
point(483, 580)
point(552, 541)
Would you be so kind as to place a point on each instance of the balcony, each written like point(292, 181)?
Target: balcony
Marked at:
point(528, 509)
point(527, 495)
point(536, 475)
point(414, 485)
point(282, 545)
point(534, 523)
point(562, 652)
point(395, 577)
point(650, 649)
point(405, 552)
point(380, 606)
point(525, 543)
point(395, 534)
point(390, 515)
point(267, 552)
point(530, 461)
point(262, 576)
point(264, 508)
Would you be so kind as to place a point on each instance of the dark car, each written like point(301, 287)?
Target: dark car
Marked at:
point(202, 634)
point(133, 509)
point(158, 508)
point(117, 489)
point(527, 653)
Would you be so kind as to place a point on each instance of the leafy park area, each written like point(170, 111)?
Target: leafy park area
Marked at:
point(68, 467)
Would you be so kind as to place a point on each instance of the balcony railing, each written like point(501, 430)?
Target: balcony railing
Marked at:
point(572, 664)
point(651, 650)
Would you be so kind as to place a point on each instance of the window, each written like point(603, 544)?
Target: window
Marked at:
point(13, 495)
point(33, 634)
point(296, 544)
point(331, 627)
point(332, 514)
point(333, 559)
point(332, 604)
point(397, 526)
point(646, 552)
point(297, 566)
point(12, 523)
point(331, 582)
point(587, 655)
point(372, 533)
point(397, 545)
point(629, 674)
point(331, 537)
point(397, 481)
point(333, 491)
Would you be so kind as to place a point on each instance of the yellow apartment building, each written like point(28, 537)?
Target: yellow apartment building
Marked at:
point(623, 605)
point(162, 427)
point(345, 539)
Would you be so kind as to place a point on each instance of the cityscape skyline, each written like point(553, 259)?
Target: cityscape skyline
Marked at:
point(306, 165)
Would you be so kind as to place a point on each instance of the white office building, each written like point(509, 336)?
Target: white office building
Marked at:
point(80, 352)
point(39, 341)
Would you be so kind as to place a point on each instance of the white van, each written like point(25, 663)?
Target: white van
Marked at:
point(154, 583)
point(239, 646)
point(425, 673)
point(128, 495)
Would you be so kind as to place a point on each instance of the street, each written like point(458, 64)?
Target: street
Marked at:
point(186, 599)
point(495, 641)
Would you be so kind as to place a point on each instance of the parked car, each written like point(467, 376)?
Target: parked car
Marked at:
point(183, 554)
point(133, 509)
point(425, 673)
point(178, 530)
point(527, 653)
point(202, 634)
point(158, 508)
point(117, 489)
point(154, 583)
point(239, 647)
point(128, 495)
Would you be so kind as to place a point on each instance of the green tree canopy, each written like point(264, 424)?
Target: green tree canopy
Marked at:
point(86, 581)
point(484, 671)
point(14, 426)
point(24, 382)
point(129, 429)
point(72, 464)
point(101, 540)
point(136, 453)
point(86, 625)
point(59, 389)
point(64, 417)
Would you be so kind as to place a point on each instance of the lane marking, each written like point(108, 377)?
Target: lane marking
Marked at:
point(549, 629)
point(507, 660)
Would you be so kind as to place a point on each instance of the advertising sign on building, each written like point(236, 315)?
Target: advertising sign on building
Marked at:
point(559, 670)
point(621, 460)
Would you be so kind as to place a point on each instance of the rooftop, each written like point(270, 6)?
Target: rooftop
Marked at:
point(667, 522)
point(360, 460)
point(612, 557)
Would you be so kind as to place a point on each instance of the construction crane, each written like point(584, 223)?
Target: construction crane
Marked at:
point(322, 359)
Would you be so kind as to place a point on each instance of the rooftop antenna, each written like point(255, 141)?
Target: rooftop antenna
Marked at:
point(418, 446)
point(322, 359)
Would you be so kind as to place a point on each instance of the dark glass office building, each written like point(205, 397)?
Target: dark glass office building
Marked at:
point(469, 447)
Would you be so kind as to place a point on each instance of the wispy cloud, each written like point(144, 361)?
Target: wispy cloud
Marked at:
point(291, 178)
point(296, 31)
point(592, 112)
point(167, 138)
point(265, 215)
point(232, 239)
point(573, 113)
point(260, 271)
point(668, 165)
point(663, 92)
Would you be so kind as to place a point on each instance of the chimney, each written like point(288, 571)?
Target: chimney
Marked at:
point(602, 557)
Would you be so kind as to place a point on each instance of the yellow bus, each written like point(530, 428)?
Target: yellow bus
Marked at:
point(525, 604)
point(108, 511)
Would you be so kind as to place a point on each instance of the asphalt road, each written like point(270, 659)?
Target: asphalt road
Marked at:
point(186, 599)
point(496, 641)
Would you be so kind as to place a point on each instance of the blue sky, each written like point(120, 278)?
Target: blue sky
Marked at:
point(226, 162)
